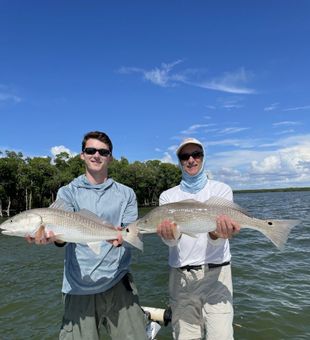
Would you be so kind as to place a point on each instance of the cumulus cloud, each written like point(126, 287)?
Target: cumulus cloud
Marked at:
point(283, 166)
point(289, 160)
point(55, 150)
point(167, 158)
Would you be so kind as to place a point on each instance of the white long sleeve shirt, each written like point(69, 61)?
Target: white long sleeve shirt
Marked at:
point(201, 250)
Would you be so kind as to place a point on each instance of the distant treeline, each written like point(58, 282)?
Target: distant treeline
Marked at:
point(273, 190)
point(27, 183)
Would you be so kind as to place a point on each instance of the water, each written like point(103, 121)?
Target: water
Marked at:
point(271, 288)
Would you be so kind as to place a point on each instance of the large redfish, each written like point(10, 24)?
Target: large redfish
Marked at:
point(193, 217)
point(79, 227)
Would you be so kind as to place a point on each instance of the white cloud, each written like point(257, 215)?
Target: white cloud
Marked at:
point(160, 76)
point(293, 160)
point(167, 158)
point(231, 130)
point(286, 123)
point(269, 164)
point(230, 106)
point(288, 164)
point(285, 132)
point(218, 86)
point(241, 143)
point(306, 107)
point(193, 129)
point(172, 148)
point(229, 82)
point(55, 150)
point(271, 107)
point(9, 97)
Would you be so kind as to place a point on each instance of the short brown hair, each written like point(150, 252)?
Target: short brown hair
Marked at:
point(103, 137)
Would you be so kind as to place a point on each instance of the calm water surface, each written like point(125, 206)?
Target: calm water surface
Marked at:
point(271, 288)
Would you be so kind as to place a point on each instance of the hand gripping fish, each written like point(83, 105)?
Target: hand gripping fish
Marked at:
point(78, 227)
point(193, 217)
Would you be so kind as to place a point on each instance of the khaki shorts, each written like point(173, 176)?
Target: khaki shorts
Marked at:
point(201, 302)
point(117, 309)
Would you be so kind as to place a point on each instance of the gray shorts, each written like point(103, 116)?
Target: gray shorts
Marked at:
point(117, 309)
point(201, 302)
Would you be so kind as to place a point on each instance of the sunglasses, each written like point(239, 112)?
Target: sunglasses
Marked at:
point(194, 154)
point(102, 152)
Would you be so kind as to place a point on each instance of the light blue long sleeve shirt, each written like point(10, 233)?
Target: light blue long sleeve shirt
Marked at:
point(84, 271)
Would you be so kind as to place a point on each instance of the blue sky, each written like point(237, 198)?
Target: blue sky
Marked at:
point(234, 74)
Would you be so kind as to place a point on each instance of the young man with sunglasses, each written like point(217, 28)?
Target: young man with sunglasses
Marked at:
point(98, 289)
point(200, 283)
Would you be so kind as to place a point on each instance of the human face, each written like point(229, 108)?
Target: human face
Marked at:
point(96, 163)
point(193, 165)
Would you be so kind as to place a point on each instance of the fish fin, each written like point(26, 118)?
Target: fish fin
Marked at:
point(92, 216)
point(220, 201)
point(61, 205)
point(278, 231)
point(132, 236)
point(95, 247)
point(190, 200)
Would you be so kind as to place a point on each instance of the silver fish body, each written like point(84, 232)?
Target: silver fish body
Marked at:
point(78, 227)
point(193, 217)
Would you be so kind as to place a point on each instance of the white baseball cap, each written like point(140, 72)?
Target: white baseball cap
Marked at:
point(188, 141)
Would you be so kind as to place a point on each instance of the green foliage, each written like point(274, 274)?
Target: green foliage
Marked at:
point(27, 183)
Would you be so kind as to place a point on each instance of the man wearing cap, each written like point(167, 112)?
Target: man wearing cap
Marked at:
point(200, 283)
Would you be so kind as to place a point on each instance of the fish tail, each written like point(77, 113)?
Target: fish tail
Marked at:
point(278, 231)
point(133, 237)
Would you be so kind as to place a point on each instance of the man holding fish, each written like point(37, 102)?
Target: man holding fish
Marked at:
point(97, 286)
point(200, 282)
